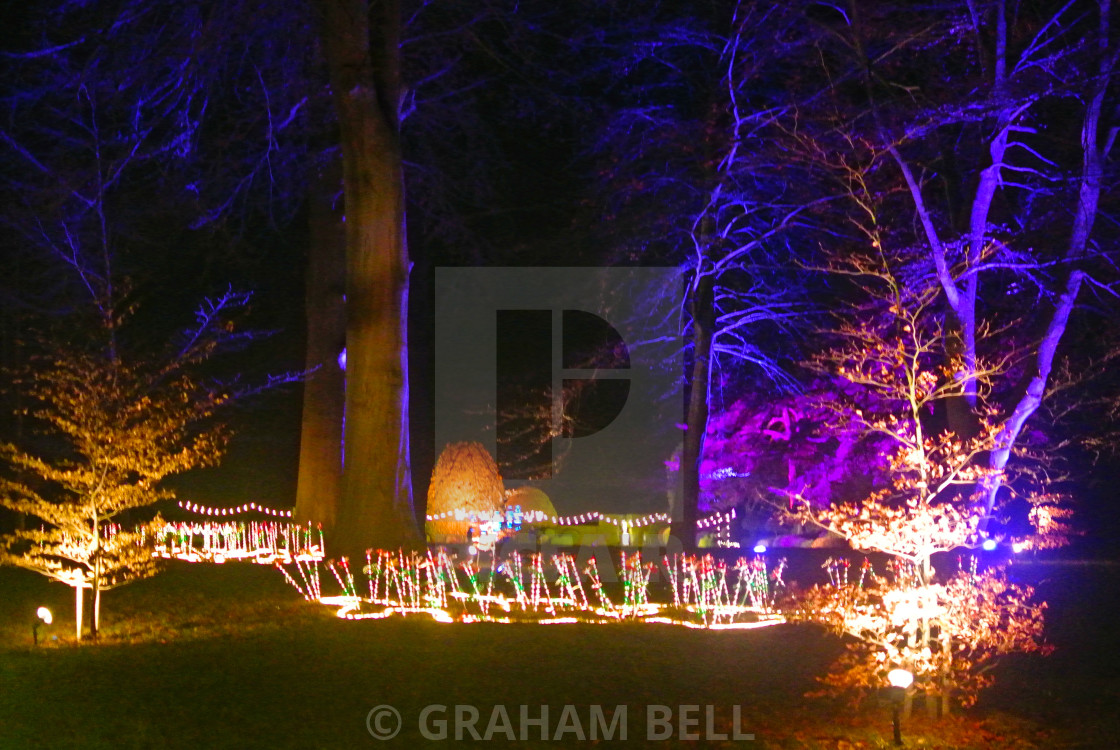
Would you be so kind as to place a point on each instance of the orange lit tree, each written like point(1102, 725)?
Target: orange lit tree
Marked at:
point(465, 479)
point(113, 425)
point(894, 378)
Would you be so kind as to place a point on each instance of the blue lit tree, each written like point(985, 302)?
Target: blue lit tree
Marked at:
point(694, 176)
point(981, 166)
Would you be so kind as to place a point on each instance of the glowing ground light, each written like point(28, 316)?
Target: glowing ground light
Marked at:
point(900, 678)
point(42, 617)
point(760, 549)
point(988, 545)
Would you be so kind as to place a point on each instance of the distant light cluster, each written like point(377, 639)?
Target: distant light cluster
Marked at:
point(716, 519)
point(537, 516)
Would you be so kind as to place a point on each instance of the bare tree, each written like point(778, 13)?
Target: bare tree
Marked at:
point(703, 186)
point(990, 173)
point(124, 402)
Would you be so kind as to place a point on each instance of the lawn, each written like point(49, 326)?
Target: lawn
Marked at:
point(230, 657)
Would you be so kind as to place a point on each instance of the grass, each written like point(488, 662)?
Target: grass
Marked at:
point(230, 657)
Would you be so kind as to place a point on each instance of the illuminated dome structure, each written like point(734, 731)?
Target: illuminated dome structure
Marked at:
point(465, 486)
point(532, 502)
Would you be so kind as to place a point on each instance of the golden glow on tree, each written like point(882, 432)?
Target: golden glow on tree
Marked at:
point(945, 630)
point(465, 486)
point(119, 423)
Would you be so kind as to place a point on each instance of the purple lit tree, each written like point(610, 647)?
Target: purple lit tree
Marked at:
point(976, 174)
point(757, 448)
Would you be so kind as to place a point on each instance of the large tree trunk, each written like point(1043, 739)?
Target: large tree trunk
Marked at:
point(696, 420)
point(376, 507)
point(319, 488)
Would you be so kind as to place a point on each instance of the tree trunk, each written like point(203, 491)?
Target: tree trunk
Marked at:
point(960, 418)
point(1088, 201)
point(376, 507)
point(946, 672)
point(78, 600)
point(96, 614)
point(319, 488)
point(1032, 398)
point(703, 322)
point(96, 626)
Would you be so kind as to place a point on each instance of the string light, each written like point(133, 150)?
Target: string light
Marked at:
point(262, 542)
point(467, 591)
point(536, 516)
point(431, 584)
point(246, 508)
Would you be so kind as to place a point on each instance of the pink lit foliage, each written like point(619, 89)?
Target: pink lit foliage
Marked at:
point(790, 447)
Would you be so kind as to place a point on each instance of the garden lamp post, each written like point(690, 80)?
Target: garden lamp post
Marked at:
point(43, 616)
point(900, 680)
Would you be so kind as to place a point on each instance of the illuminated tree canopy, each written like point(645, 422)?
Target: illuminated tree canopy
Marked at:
point(107, 426)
